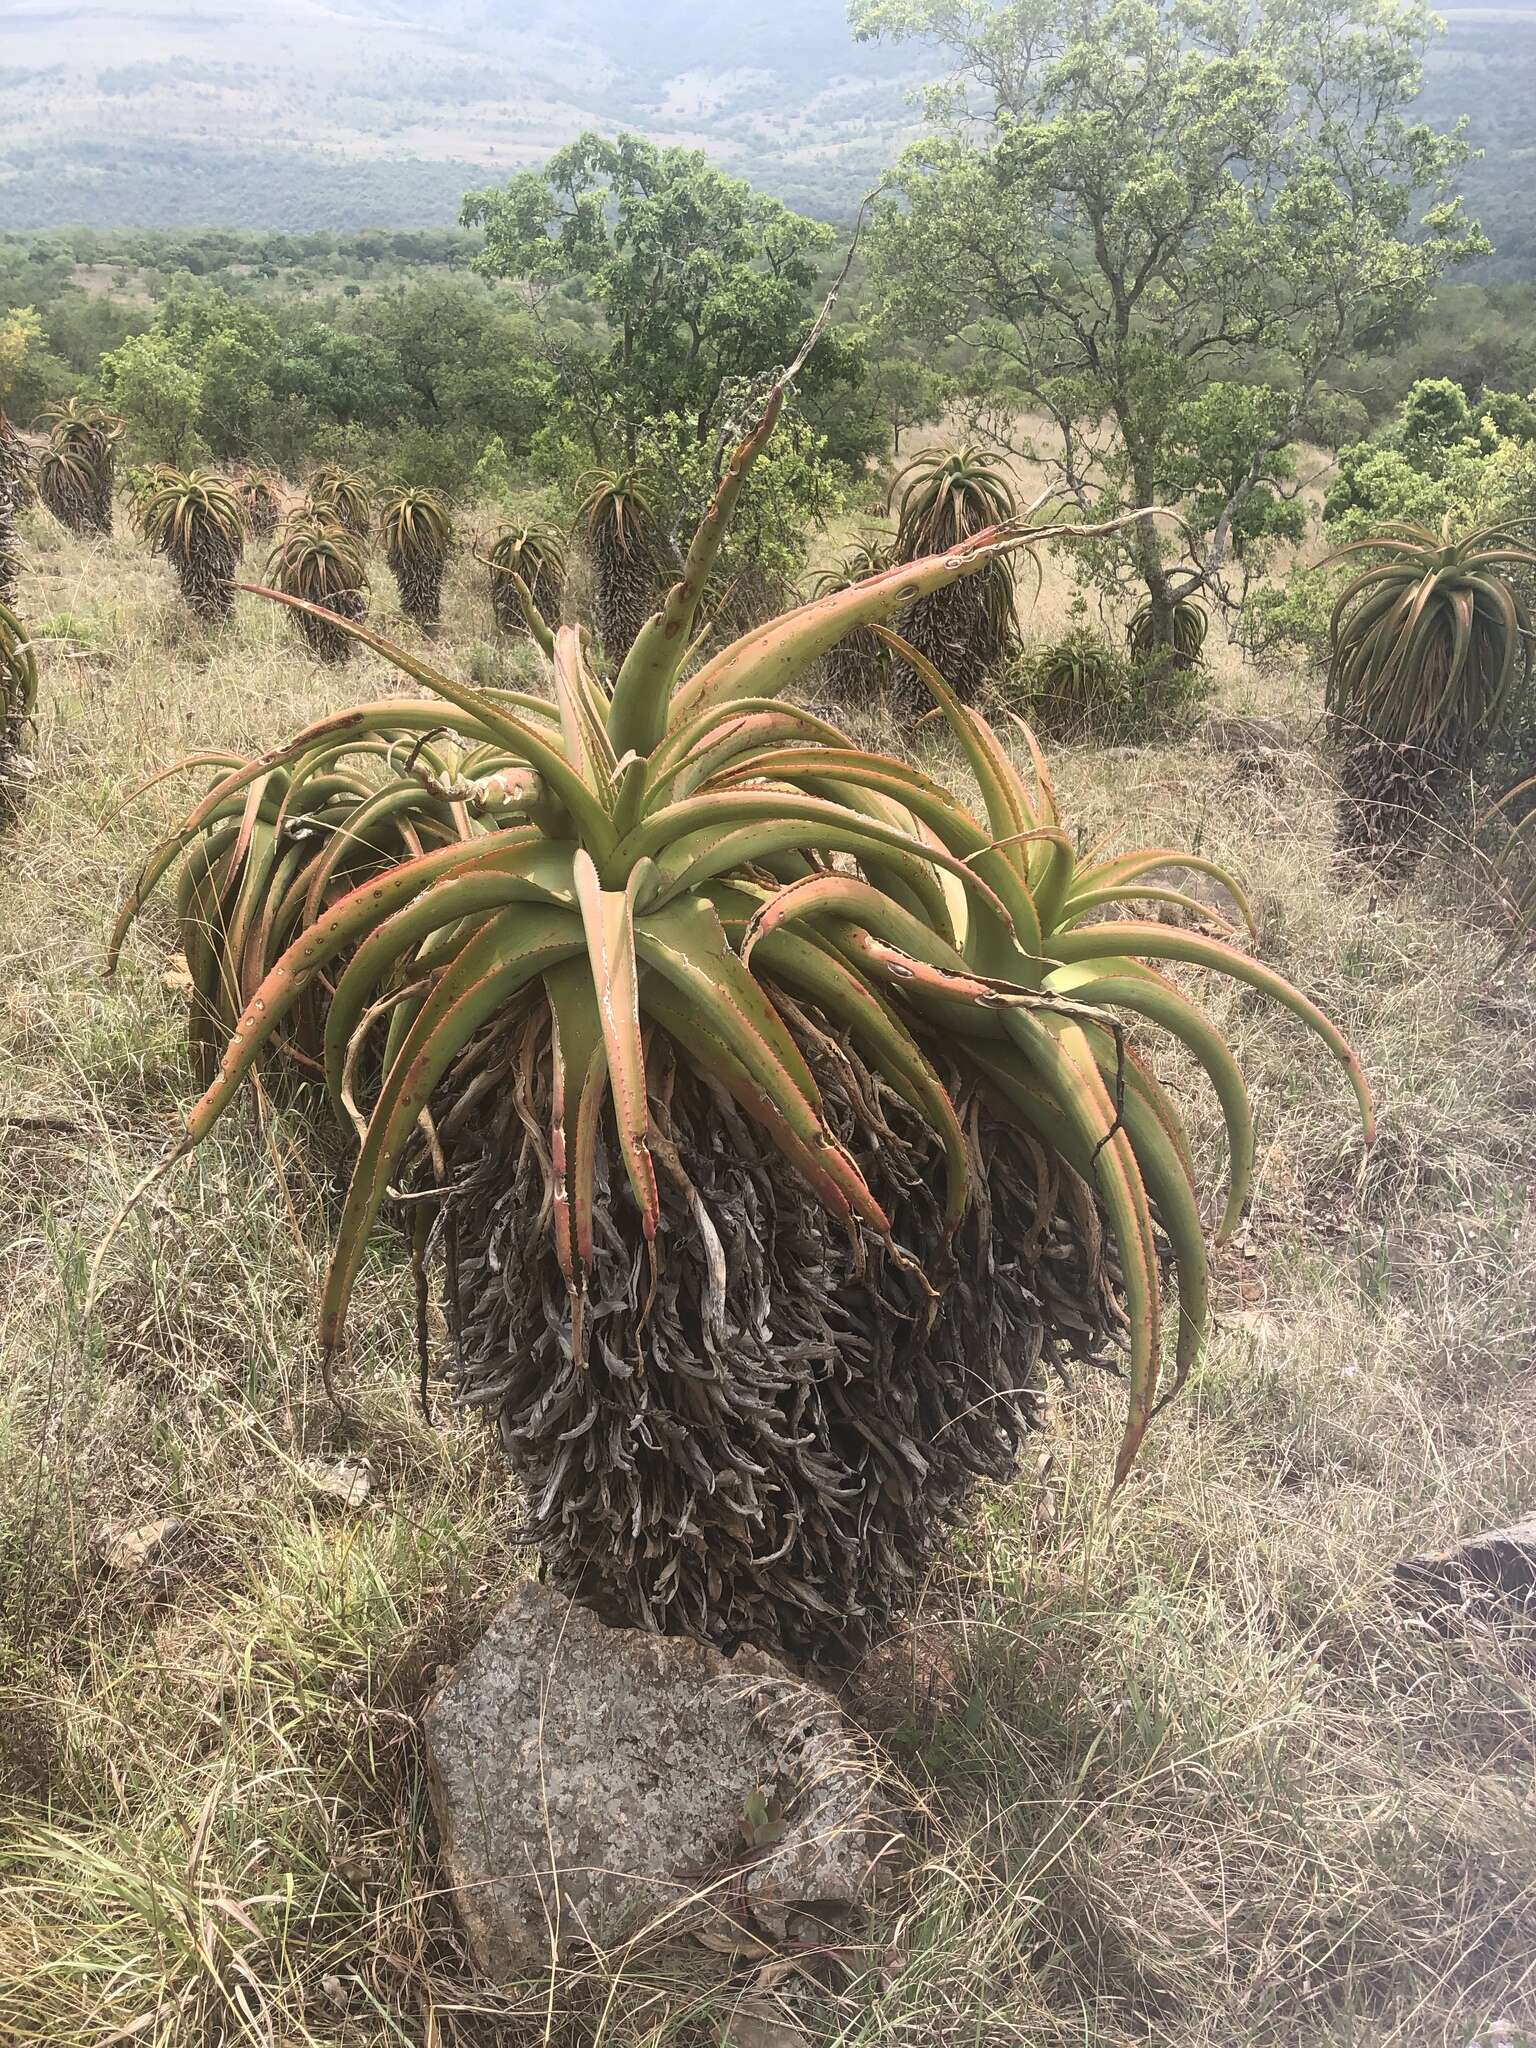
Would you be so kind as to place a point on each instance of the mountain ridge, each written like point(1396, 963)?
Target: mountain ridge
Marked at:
point(344, 114)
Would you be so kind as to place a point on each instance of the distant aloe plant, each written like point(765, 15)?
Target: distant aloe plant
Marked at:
point(1189, 627)
point(261, 502)
point(18, 697)
point(341, 498)
point(76, 476)
point(630, 558)
point(1429, 647)
point(14, 484)
point(194, 520)
point(534, 555)
point(858, 668)
point(942, 499)
point(418, 538)
point(324, 566)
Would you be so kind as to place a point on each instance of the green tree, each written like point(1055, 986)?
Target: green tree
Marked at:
point(230, 344)
point(702, 282)
point(464, 361)
point(906, 393)
point(353, 380)
point(21, 332)
point(159, 397)
point(1133, 201)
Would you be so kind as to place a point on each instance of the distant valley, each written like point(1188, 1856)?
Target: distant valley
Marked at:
point(342, 114)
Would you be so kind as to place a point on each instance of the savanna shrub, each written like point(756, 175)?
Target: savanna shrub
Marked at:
point(1081, 686)
point(1288, 622)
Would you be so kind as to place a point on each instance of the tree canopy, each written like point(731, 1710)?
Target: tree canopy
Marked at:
point(702, 282)
point(1160, 224)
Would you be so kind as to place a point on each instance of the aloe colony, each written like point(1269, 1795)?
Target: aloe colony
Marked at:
point(777, 1097)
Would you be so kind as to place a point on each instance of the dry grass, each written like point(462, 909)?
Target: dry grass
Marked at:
point(1190, 1776)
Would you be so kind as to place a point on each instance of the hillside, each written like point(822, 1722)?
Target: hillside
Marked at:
point(306, 114)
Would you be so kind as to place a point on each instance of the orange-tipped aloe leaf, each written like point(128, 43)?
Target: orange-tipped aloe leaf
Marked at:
point(765, 661)
point(686, 942)
point(827, 1169)
point(446, 903)
point(1010, 812)
point(1065, 1061)
point(511, 951)
point(1161, 942)
point(608, 918)
point(848, 1000)
point(1110, 881)
point(846, 896)
point(346, 921)
point(1127, 985)
point(580, 1087)
point(515, 733)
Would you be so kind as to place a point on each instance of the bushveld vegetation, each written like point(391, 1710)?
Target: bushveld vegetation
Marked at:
point(718, 988)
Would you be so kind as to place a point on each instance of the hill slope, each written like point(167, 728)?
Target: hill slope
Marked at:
point(305, 114)
point(349, 113)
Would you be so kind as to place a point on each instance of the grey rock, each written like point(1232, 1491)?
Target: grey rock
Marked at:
point(1491, 1575)
point(131, 1547)
point(592, 1785)
point(339, 1482)
point(1243, 735)
point(762, 2023)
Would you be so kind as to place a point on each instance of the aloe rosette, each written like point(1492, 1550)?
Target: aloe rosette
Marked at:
point(1429, 647)
point(417, 531)
point(339, 497)
point(687, 871)
point(75, 475)
point(194, 520)
point(527, 566)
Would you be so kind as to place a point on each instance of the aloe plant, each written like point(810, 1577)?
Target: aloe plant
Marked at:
point(76, 475)
point(1515, 814)
point(67, 486)
point(194, 520)
point(15, 484)
point(1074, 686)
point(418, 538)
point(338, 497)
point(630, 558)
point(944, 497)
point(858, 669)
point(1190, 625)
point(322, 567)
point(260, 498)
point(783, 1096)
point(1428, 648)
point(535, 557)
point(18, 681)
